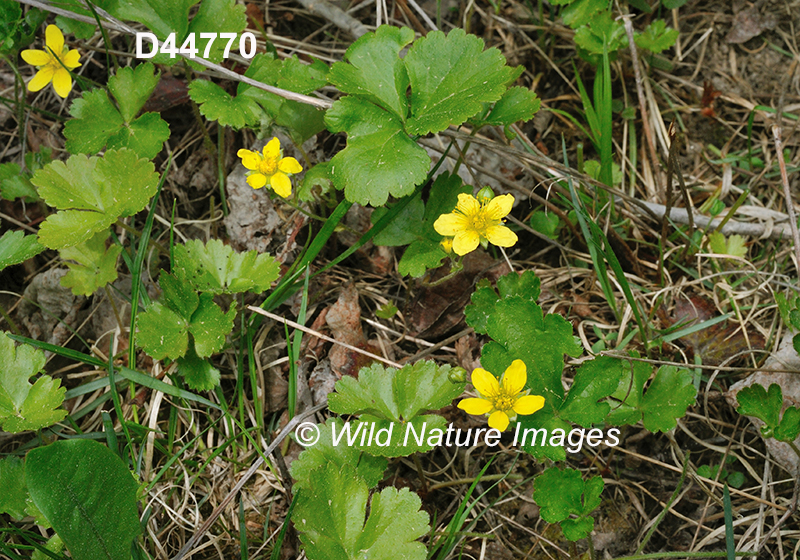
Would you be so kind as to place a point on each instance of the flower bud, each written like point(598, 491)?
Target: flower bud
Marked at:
point(485, 195)
point(447, 245)
point(457, 375)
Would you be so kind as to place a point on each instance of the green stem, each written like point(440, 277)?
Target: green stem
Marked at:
point(221, 167)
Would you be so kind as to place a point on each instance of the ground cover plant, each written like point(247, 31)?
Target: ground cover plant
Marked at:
point(398, 280)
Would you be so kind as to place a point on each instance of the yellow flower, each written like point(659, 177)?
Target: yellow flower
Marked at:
point(472, 223)
point(502, 400)
point(270, 167)
point(54, 63)
point(447, 244)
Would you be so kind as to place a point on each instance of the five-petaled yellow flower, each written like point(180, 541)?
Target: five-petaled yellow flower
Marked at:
point(54, 63)
point(270, 167)
point(502, 400)
point(473, 223)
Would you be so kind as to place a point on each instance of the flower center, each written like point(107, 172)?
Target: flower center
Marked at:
point(504, 402)
point(267, 166)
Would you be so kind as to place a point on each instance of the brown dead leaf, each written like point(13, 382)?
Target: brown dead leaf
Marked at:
point(714, 344)
point(344, 320)
point(169, 92)
point(750, 23)
point(435, 312)
point(50, 311)
point(255, 16)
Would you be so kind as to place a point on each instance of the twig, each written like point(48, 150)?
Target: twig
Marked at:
point(242, 481)
point(322, 336)
point(336, 16)
point(648, 133)
point(776, 134)
point(117, 25)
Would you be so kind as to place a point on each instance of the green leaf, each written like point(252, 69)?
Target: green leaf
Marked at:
point(199, 373)
point(16, 184)
point(374, 70)
point(367, 467)
point(162, 332)
point(391, 396)
point(380, 159)
point(209, 326)
point(88, 495)
point(330, 515)
point(545, 223)
point(421, 256)
point(451, 77)
point(218, 105)
point(131, 88)
point(580, 12)
point(161, 17)
point(91, 193)
point(656, 37)
point(217, 269)
point(669, 395)
point(735, 245)
point(484, 298)
point(217, 16)
point(13, 498)
point(415, 226)
point(766, 405)
point(16, 247)
point(98, 123)
point(672, 4)
point(601, 30)
point(316, 182)
point(517, 104)
point(24, 406)
point(594, 380)
point(387, 311)
point(94, 266)
point(561, 493)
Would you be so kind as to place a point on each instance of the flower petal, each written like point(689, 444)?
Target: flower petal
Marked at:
point(71, 59)
point(465, 242)
point(474, 406)
point(35, 57)
point(498, 420)
point(272, 149)
point(257, 180)
point(290, 165)
point(249, 159)
point(501, 236)
point(450, 224)
point(468, 204)
point(62, 82)
point(499, 206)
point(514, 378)
point(54, 39)
point(528, 404)
point(485, 383)
point(281, 184)
point(41, 79)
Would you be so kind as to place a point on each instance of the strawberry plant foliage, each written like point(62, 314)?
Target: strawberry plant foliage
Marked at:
point(16, 247)
point(98, 123)
point(562, 493)
point(331, 511)
point(450, 77)
point(91, 193)
point(166, 326)
point(91, 265)
point(367, 467)
point(414, 226)
point(24, 406)
point(388, 395)
point(215, 268)
point(766, 405)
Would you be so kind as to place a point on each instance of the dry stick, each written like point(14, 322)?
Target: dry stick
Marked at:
point(322, 336)
point(117, 25)
point(648, 133)
point(250, 472)
point(776, 133)
point(336, 16)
